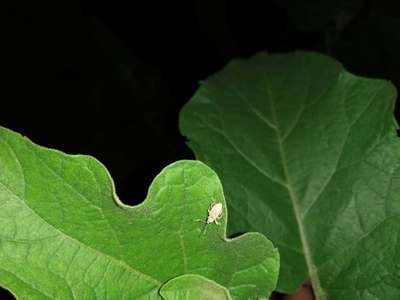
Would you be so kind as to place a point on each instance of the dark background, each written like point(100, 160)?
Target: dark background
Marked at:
point(109, 79)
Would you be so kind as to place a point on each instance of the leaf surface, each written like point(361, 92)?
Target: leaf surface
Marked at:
point(65, 235)
point(308, 155)
point(193, 287)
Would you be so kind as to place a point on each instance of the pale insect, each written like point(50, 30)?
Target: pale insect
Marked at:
point(215, 212)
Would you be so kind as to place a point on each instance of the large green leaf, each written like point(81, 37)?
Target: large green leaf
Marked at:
point(307, 154)
point(65, 235)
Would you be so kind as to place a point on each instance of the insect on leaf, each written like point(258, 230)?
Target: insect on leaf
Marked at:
point(65, 235)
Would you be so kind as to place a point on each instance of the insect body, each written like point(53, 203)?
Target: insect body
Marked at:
point(215, 212)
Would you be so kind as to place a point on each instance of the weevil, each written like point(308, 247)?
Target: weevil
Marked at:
point(215, 212)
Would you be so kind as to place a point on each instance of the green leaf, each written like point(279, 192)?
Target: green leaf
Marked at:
point(307, 154)
point(193, 287)
point(65, 235)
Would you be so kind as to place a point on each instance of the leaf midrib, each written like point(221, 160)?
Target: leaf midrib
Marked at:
point(312, 269)
point(320, 294)
point(287, 184)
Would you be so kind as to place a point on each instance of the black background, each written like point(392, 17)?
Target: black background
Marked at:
point(108, 79)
